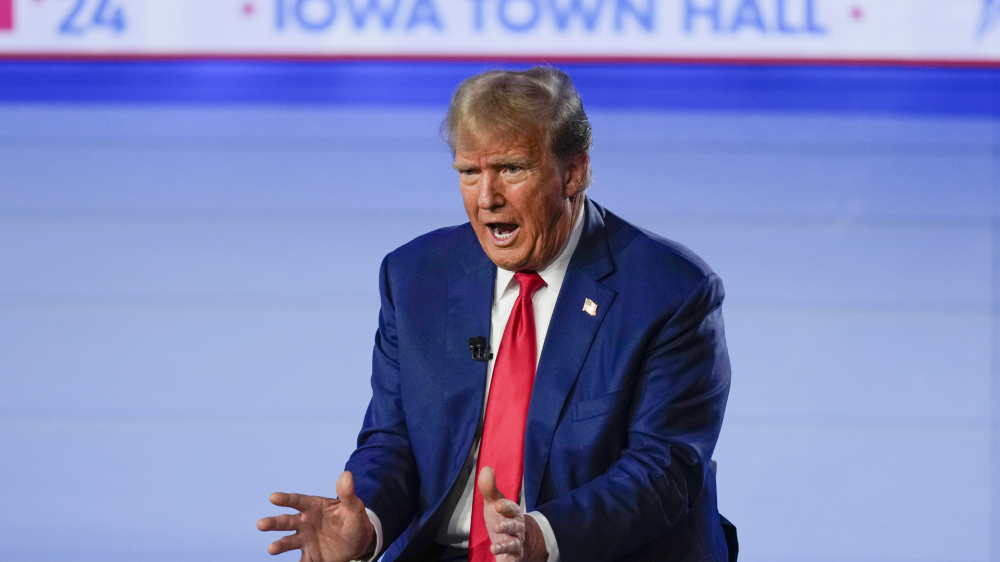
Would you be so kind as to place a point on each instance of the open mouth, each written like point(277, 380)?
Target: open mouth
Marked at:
point(502, 231)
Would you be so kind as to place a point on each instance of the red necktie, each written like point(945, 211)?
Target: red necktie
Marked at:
point(502, 445)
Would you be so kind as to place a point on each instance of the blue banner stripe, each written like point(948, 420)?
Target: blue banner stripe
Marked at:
point(668, 86)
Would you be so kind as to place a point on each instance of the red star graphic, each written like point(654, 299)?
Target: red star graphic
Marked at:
point(249, 8)
point(858, 13)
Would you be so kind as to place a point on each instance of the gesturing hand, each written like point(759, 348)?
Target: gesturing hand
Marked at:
point(326, 530)
point(514, 536)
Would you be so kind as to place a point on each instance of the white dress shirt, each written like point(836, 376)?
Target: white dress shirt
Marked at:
point(455, 531)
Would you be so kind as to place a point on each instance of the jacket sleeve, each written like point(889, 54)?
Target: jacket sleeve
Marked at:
point(385, 473)
point(677, 409)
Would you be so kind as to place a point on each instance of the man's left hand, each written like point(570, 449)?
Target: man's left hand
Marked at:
point(514, 536)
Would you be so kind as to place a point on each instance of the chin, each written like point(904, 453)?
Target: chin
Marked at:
point(505, 261)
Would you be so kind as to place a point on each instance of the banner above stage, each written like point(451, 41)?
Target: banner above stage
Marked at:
point(893, 30)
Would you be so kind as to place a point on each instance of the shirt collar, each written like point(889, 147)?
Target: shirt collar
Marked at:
point(553, 273)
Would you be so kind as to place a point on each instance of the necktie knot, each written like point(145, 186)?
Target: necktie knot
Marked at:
point(529, 282)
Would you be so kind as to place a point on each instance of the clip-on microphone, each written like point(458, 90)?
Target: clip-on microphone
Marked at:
point(477, 345)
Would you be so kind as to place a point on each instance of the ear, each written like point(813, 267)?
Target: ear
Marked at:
point(575, 174)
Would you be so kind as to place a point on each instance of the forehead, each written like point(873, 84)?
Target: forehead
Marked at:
point(475, 144)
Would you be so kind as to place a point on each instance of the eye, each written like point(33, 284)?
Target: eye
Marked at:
point(513, 169)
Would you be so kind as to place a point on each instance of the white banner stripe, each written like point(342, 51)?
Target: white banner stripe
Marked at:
point(768, 30)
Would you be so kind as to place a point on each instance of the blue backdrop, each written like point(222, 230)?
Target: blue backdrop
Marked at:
point(188, 262)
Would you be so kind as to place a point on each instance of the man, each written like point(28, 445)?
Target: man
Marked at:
point(589, 434)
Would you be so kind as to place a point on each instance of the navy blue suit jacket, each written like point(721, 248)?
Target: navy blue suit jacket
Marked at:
point(625, 412)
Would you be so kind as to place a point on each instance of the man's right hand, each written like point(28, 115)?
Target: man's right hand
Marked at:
point(326, 530)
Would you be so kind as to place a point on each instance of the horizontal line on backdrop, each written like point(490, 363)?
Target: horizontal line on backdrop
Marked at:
point(860, 308)
point(823, 222)
point(502, 58)
point(447, 218)
point(983, 150)
point(849, 558)
point(179, 421)
point(116, 552)
point(230, 143)
point(837, 422)
point(318, 304)
point(682, 85)
point(264, 218)
point(361, 303)
point(784, 148)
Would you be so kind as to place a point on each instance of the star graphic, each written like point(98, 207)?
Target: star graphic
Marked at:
point(858, 13)
point(248, 8)
point(988, 18)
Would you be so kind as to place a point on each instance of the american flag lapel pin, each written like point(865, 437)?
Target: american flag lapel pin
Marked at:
point(590, 307)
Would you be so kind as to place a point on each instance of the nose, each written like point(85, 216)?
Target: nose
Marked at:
point(489, 194)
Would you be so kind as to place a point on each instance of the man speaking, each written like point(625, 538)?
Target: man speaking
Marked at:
point(548, 380)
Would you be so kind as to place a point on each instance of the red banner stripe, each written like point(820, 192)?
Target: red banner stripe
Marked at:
point(6, 14)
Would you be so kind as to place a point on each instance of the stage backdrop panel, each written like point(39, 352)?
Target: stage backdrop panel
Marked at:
point(188, 292)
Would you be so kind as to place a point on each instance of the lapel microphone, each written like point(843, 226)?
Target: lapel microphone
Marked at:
point(479, 349)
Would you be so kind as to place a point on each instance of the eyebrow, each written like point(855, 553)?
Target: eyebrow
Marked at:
point(503, 161)
point(512, 161)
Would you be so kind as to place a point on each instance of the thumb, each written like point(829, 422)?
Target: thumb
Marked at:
point(488, 485)
point(345, 491)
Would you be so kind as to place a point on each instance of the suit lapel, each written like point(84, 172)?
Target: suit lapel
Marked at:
point(469, 305)
point(571, 332)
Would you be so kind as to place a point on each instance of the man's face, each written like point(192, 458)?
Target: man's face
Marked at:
point(520, 201)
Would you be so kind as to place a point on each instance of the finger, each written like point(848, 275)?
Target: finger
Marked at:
point(506, 508)
point(294, 501)
point(506, 527)
point(506, 547)
point(283, 522)
point(345, 492)
point(284, 544)
point(488, 485)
